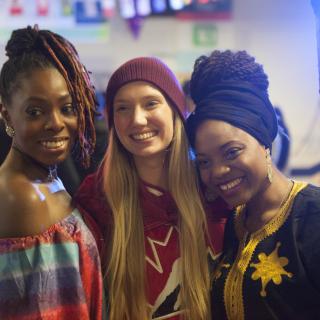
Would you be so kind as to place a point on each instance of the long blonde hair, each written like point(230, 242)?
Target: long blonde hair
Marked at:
point(125, 274)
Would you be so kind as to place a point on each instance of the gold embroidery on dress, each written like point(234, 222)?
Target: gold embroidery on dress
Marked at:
point(233, 297)
point(270, 268)
point(217, 272)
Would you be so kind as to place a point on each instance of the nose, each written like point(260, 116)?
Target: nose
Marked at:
point(139, 116)
point(54, 122)
point(219, 170)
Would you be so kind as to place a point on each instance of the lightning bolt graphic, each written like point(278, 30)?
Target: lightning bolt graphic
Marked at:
point(156, 262)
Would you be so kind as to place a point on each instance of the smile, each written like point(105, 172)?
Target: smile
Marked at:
point(230, 185)
point(54, 144)
point(143, 136)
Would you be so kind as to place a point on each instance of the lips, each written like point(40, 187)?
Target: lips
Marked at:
point(143, 136)
point(53, 144)
point(226, 187)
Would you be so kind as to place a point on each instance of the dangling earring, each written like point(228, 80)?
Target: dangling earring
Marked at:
point(269, 165)
point(9, 130)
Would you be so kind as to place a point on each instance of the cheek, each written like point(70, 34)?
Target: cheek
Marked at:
point(25, 130)
point(257, 168)
point(119, 124)
point(205, 177)
point(119, 128)
point(167, 126)
point(163, 117)
point(170, 132)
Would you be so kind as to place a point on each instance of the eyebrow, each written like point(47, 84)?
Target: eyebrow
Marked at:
point(223, 147)
point(40, 99)
point(149, 96)
point(65, 96)
point(153, 96)
point(226, 145)
point(120, 101)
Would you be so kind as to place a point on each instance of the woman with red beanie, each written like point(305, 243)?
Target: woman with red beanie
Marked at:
point(145, 198)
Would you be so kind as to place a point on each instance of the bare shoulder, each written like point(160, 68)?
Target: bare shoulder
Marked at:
point(17, 193)
point(21, 205)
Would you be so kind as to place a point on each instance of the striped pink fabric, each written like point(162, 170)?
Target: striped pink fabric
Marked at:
point(54, 275)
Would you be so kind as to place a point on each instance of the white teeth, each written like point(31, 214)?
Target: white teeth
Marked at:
point(143, 136)
point(230, 185)
point(53, 144)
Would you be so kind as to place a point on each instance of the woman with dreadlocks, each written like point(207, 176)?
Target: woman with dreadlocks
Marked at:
point(50, 267)
point(269, 268)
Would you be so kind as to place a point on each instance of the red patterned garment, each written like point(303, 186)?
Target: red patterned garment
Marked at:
point(161, 239)
point(55, 275)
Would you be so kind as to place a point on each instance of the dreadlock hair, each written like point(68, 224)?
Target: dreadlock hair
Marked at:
point(220, 66)
point(29, 49)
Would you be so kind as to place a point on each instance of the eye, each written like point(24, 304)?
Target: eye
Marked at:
point(152, 103)
point(34, 111)
point(121, 108)
point(232, 153)
point(69, 110)
point(203, 163)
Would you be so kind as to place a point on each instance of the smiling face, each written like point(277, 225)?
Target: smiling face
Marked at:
point(230, 161)
point(43, 117)
point(143, 120)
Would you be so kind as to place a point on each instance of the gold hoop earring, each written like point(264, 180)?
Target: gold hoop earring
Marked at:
point(10, 131)
point(269, 165)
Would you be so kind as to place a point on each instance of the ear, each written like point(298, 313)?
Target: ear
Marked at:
point(1, 110)
point(4, 113)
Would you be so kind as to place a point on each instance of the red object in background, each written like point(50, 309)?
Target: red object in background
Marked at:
point(108, 8)
point(42, 7)
point(207, 10)
point(16, 8)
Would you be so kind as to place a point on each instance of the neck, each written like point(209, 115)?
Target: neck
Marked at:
point(49, 171)
point(266, 204)
point(153, 170)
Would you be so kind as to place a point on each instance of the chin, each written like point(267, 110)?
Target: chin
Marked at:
point(148, 153)
point(55, 161)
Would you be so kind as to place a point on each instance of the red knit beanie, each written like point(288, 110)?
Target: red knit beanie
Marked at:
point(150, 70)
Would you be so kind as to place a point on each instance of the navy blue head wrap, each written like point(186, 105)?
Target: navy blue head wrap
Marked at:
point(240, 104)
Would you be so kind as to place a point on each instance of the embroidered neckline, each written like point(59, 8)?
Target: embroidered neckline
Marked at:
point(233, 297)
point(272, 225)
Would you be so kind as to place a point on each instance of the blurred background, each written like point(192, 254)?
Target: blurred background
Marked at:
point(281, 34)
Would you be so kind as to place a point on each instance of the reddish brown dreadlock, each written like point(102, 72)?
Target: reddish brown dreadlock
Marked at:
point(30, 48)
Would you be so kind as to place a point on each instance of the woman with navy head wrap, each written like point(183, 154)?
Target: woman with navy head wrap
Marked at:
point(269, 267)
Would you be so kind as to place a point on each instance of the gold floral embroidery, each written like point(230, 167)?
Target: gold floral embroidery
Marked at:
point(233, 296)
point(270, 268)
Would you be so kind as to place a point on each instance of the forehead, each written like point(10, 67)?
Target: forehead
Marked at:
point(137, 89)
point(212, 135)
point(40, 85)
point(42, 78)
